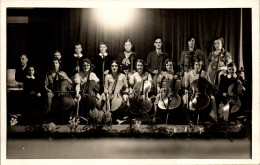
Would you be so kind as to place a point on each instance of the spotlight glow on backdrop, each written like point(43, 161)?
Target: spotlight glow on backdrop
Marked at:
point(115, 17)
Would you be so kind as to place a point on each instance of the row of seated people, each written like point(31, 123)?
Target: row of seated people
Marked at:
point(95, 79)
point(137, 93)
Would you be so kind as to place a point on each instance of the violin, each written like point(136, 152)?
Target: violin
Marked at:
point(200, 100)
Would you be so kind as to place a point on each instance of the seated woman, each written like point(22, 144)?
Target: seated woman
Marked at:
point(218, 60)
point(87, 87)
point(167, 99)
point(200, 102)
point(128, 57)
point(115, 92)
point(141, 83)
point(57, 84)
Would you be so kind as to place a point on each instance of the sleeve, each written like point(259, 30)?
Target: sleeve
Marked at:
point(46, 83)
point(94, 77)
point(125, 82)
point(77, 79)
point(150, 78)
point(186, 80)
point(182, 61)
point(131, 80)
point(149, 69)
point(106, 82)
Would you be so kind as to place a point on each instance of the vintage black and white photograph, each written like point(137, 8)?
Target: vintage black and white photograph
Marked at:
point(128, 83)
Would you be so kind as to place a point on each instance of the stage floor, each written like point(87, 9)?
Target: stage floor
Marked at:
point(128, 148)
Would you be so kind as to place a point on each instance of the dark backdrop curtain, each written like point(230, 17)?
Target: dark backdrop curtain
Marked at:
point(174, 25)
point(51, 29)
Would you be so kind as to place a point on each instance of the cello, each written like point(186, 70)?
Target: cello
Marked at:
point(174, 99)
point(62, 99)
point(141, 90)
point(234, 91)
point(200, 100)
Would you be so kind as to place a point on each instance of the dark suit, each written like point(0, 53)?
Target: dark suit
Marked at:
point(20, 74)
point(98, 63)
point(154, 61)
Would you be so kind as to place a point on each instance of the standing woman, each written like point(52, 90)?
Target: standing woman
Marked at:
point(115, 92)
point(87, 87)
point(127, 58)
point(141, 81)
point(102, 63)
point(218, 60)
point(188, 56)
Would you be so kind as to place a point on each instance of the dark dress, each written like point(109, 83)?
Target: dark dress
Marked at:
point(121, 57)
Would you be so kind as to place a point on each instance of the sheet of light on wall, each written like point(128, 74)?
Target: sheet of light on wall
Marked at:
point(115, 17)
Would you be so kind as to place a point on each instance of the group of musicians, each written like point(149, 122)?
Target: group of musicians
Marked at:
point(130, 86)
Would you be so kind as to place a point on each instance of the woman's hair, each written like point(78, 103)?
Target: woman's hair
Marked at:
point(219, 38)
point(87, 60)
point(114, 61)
point(197, 42)
point(56, 59)
point(128, 40)
point(141, 61)
point(166, 62)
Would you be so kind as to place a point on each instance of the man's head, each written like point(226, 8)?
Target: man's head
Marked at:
point(57, 54)
point(158, 43)
point(231, 68)
point(78, 48)
point(103, 47)
point(23, 60)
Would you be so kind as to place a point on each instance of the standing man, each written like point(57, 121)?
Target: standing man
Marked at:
point(156, 58)
point(21, 70)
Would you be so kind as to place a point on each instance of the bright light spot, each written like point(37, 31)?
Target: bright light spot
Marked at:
point(115, 16)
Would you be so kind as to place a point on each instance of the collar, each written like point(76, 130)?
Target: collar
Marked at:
point(158, 52)
point(30, 77)
point(234, 75)
point(103, 55)
point(24, 67)
point(78, 55)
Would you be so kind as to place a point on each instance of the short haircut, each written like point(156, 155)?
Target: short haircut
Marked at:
point(57, 51)
point(157, 37)
point(77, 44)
point(102, 43)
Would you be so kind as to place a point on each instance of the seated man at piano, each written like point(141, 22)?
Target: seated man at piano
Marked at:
point(230, 88)
point(21, 70)
point(198, 102)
